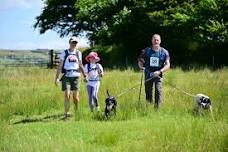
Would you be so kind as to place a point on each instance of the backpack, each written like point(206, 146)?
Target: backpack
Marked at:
point(65, 57)
point(96, 68)
point(90, 69)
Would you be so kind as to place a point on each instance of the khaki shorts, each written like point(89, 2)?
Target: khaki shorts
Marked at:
point(72, 83)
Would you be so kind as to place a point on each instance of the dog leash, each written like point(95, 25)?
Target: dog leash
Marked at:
point(173, 86)
point(127, 90)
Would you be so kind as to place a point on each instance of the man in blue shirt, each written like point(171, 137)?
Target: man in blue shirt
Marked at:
point(154, 61)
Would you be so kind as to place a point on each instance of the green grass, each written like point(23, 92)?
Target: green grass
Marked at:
point(31, 109)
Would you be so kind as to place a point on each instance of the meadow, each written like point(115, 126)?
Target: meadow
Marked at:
point(31, 112)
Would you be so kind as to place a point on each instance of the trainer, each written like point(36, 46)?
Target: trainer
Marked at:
point(154, 61)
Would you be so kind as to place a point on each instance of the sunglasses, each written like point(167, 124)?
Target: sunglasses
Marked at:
point(74, 42)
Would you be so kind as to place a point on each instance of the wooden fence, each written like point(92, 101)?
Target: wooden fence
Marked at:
point(48, 58)
point(54, 59)
point(24, 58)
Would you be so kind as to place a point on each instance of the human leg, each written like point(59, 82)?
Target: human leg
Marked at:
point(158, 92)
point(95, 95)
point(148, 91)
point(76, 98)
point(75, 84)
point(66, 89)
point(66, 102)
point(90, 96)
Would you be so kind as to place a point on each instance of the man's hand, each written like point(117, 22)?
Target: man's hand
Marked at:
point(142, 69)
point(85, 79)
point(157, 73)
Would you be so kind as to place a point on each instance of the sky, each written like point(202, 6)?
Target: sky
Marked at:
point(17, 18)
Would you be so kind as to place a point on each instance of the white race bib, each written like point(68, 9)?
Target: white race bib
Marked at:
point(154, 61)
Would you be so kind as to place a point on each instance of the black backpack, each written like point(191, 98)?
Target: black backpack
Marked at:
point(90, 69)
point(65, 57)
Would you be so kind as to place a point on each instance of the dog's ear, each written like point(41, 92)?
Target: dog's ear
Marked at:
point(202, 99)
point(114, 101)
point(206, 100)
point(106, 100)
point(209, 101)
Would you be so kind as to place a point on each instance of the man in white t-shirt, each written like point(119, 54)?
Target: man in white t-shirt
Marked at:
point(71, 66)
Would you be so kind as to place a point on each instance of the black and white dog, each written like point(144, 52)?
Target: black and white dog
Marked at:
point(202, 102)
point(110, 105)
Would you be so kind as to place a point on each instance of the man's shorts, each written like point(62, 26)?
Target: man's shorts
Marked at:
point(72, 83)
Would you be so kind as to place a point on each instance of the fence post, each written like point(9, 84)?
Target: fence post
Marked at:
point(51, 59)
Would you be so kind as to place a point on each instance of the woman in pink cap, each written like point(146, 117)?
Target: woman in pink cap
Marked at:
point(94, 72)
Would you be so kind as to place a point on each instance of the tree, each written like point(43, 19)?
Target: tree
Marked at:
point(105, 19)
point(130, 23)
point(59, 15)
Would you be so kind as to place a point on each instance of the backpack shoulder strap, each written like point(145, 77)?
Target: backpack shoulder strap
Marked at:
point(77, 54)
point(88, 67)
point(66, 55)
point(97, 66)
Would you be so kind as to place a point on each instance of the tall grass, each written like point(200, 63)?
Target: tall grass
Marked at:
point(31, 108)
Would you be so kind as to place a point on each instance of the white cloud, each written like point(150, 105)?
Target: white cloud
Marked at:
point(22, 4)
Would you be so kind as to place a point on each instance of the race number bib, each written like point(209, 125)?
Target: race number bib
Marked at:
point(154, 61)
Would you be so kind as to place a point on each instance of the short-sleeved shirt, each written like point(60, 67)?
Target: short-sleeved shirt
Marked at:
point(93, 73)
point(72, 62)
point(153, 60)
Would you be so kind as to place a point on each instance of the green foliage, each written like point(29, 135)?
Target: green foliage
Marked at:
point(106, 18)
point(129, 24)
point(59, 16)
point(211, 20)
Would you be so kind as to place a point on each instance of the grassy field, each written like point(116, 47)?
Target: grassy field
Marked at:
point(31, 109)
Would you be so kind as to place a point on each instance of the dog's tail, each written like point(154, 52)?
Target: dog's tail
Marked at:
point(108, 93)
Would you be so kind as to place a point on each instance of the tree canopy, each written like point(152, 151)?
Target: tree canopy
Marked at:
point(130, 23)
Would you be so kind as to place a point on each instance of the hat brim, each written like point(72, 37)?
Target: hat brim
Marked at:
point(74, 41)
point(96, 58)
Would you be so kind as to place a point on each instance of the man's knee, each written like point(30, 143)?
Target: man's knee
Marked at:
point(76, 99)
point(67, 94)
point(76, 96)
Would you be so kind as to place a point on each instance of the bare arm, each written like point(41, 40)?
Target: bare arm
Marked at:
point(82, 69)
point(166, 67)
point(101, 70)
point(59, 68)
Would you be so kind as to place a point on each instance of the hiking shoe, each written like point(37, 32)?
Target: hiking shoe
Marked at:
point(67, 115)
